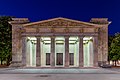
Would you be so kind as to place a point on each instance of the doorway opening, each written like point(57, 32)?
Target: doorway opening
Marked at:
point(59, 60)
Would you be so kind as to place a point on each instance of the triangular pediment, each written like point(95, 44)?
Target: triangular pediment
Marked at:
point(59, 22)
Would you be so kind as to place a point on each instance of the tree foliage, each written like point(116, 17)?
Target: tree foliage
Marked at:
point(5, 39)
point(114, 49)
point(110, 38)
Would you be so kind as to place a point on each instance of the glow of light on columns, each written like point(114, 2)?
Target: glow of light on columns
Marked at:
point(87, 38)
point(33, 55)
point(59, 38)
point(32, 38)
point(74, 48)
point(31, 51)
point(30, 54)
point(85, 61)
point(59, 41)
point(46, 40)
point(88, 52)
point(59, 48)
point(45, 48)
point(42, 54)
point(91, 53)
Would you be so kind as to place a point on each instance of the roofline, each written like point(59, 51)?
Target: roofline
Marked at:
point(33, 23)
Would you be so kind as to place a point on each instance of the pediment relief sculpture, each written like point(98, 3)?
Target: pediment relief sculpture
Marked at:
point(59, 22)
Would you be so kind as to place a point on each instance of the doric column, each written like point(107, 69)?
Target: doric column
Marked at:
point(81, 59)
point(66, 51)
point(95, 44)
point(38, 52)
point(23, 51)
point(52, 54)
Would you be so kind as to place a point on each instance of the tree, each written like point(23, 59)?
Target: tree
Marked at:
point(115, 48)
point(110, 38)
point(5, 39)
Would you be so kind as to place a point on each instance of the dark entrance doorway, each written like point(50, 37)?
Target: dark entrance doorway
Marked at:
point(71, 58)
point(59, 59)
point(47, 58)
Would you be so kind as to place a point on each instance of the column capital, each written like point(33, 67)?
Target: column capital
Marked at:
point(81, 37)
point(52, 36)
point(24, 36)
point(38, 36)
point(66, 36)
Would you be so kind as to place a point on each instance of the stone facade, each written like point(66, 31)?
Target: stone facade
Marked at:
point(22, 28)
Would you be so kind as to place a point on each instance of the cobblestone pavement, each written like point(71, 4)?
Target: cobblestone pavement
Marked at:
point(59, 74)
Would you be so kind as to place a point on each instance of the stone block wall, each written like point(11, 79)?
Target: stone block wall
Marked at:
point(17, 41)
point(102, 39)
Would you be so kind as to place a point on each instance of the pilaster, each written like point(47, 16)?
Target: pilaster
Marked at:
point(95, 44)
point(23, 51)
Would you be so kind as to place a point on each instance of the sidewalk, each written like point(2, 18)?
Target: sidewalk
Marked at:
point(58, 71)
point(59, 74)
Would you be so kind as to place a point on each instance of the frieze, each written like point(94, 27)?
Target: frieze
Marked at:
point(31, 29)
point(61, 30)
point(95, 29)
point(66, 30)
point(52, 30)
point(59, 34)
point(37, 30)
point(88, 30)
point(81, 30)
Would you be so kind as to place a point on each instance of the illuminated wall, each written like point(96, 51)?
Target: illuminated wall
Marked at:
point(60, 48)
point(74, 48)
point(31, 52)
point(88, 51)
point(45, 48)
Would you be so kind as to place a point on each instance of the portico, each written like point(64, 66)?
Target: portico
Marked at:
point(58, 42)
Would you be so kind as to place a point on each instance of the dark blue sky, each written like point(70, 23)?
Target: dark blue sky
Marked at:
point(82, 10)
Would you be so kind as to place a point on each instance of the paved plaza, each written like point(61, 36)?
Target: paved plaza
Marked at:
point(59, 74)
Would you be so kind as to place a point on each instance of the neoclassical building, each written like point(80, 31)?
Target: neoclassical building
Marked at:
point(59, 42)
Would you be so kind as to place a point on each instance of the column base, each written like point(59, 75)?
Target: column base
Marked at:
point(102, 63)
point(81, 64)
point(67, 66)
point(95, 65)
point(38, 65)
point(38, 61)
point(16, 64)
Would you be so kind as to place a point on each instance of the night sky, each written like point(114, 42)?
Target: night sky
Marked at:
point(82, 10)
